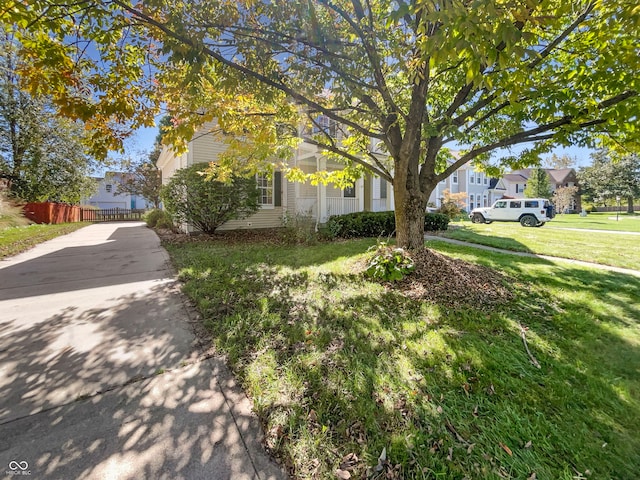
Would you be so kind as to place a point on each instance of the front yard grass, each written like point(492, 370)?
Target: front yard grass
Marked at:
point(337, 365)
point(14, 240)
point(598, 221)
point(613, 249)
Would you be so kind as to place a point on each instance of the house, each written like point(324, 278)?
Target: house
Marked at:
point(513, 184)
point(106, 196)
point(280, 197)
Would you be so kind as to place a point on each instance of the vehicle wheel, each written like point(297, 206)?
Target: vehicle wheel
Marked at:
point(540, 224)
point(477, 218)
point(488, 221)
point(528, 221)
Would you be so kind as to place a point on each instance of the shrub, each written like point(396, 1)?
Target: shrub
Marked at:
point(435, 222)
point(377, 224)
point(152, 216)
point(452, 204)
point(206, 204)
point(389, 264)
point(299, 228)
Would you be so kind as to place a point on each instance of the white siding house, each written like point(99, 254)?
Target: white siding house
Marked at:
point(106, 195)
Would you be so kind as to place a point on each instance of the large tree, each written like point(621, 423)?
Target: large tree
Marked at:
point(41, 154)
point(609, 176)
point(406, 82)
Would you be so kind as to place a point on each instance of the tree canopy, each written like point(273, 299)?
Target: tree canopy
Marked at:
point(390, 86)
point(610, 176)
point(538, 184)
point(43, 156)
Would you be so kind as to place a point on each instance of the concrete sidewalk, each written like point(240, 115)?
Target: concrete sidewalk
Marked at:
point(101, 374)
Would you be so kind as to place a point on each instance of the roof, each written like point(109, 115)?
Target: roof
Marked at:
point(558, 175)
point(515, 177)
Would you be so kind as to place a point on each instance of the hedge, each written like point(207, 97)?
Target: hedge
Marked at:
point(377, 224)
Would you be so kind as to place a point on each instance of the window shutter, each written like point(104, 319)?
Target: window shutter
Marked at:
point(277, 189)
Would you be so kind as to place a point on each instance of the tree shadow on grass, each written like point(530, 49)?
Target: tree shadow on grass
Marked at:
point(447, 391)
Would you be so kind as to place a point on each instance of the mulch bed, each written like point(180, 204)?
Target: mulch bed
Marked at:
point(452, 282)
point(232, 237)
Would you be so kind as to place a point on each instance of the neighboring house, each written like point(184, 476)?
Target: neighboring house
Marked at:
point(105, 196)
point(513, 184)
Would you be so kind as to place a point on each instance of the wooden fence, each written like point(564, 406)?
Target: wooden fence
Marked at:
point(110, 215)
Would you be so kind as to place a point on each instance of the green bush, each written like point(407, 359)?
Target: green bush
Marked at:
point(206, 204)
point(377, 224)
point(389, 264)
point(153, 216)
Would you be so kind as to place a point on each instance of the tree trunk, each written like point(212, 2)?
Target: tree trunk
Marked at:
point(629, 204)
point(410, 209)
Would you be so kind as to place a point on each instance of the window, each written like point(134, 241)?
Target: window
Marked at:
point(530, 204)
point(486, 180)
point(472, 177)
point(520, 188)
point(108, 187)
point(383, 188)
point(326, 125)
point(516, 205)
point(471, 200)
point(455, 177)
point(502, 204)
point(350, 192)
point(265, 186)
point(486, 201)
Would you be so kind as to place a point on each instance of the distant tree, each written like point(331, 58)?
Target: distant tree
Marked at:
point(142, 178)
point(452, 203)
point(609, 176)
point(538, 185)
point(565, 161)
point(190, 197)
point(563, 198)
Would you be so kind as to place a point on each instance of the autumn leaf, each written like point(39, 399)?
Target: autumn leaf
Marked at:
point(343, 474)
point(506, 449)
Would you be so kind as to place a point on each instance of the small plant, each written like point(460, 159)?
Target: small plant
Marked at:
point(389, 263)
point(299, 228)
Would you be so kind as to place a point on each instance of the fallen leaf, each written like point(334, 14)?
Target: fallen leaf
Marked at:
point(383, 455)
point(343, 474)
point(506, 449)
point(533, 476)
point(470, 448)
point(348, 462)
point(528, 444)
point(439, 409)
point(313, 416)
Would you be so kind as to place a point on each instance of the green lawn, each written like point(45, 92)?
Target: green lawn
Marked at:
point(336, 364)
point(618, 250)
point(598, 221)
point(14, 240)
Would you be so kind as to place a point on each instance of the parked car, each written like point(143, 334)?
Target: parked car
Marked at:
point(530, 212)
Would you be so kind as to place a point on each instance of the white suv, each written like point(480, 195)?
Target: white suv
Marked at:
point(530, 212)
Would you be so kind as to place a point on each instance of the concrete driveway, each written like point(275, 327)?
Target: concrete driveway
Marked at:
point(101, 375)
